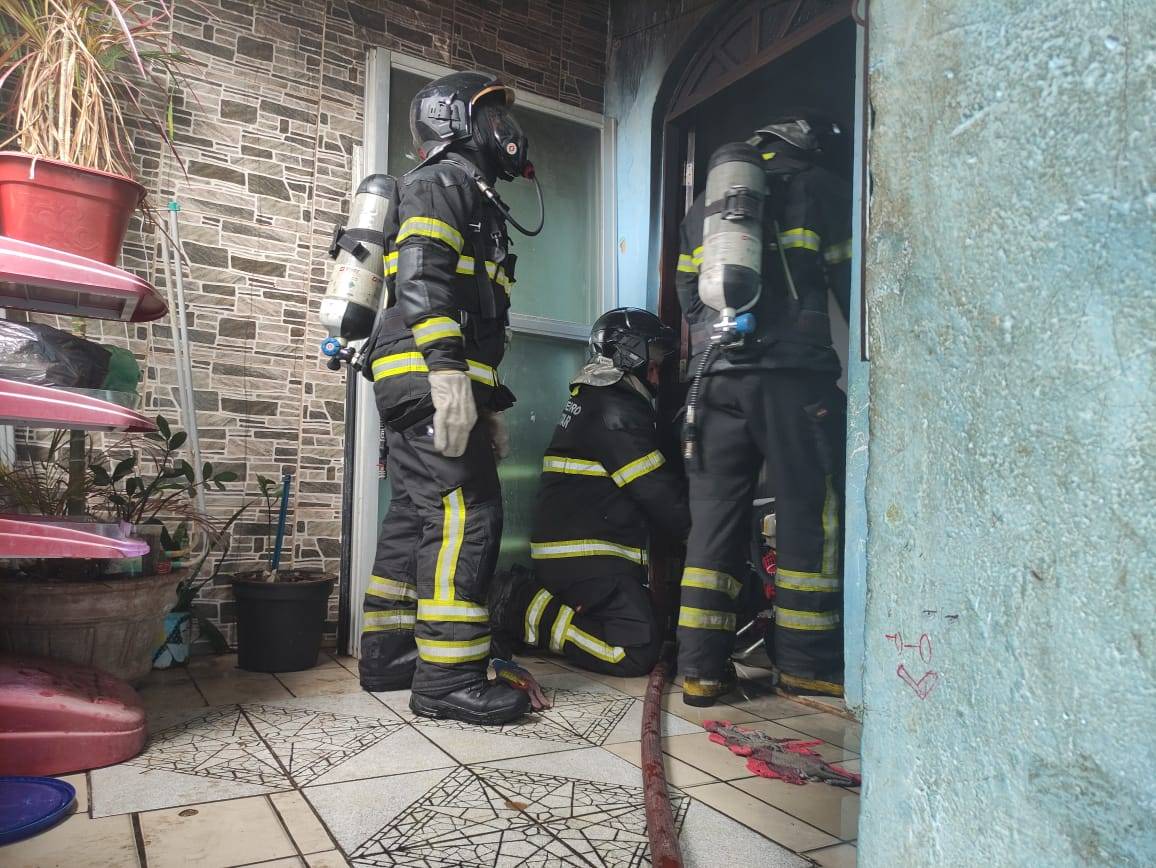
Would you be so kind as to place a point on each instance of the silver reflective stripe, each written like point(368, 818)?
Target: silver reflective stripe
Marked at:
point(794, 580)
point(452, 610)
point(561, 625)
point(381, 620)
point(593, 646)
point(585, 548)
point(534, 615)
point(436, 651)
point(639, 467)
point(390, 589)
point(794, 619)
point(705, 619)
point(573, 466)
point(711, 580)
point(453, 533)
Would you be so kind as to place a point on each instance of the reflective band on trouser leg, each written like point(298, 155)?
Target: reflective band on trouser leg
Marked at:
point(686, 264)
point(711, 580)
point(534, 615)
point(626, 474)
point(387, 620)
point(460, 611)
point(696, 257)
point(558, 631)
point(593, 645)
point(390, 589)
point(705, 619)
point(585, 548)
point(391, 263)
point(838, 253)
point(453, 532)
point(572, 466)
point(794, 619)
point(800, 238)
point(451, 652)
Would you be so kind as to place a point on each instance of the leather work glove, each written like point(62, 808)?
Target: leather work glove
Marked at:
point(454, 411)
point(499, 434)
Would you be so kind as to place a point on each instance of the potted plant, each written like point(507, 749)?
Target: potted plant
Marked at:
point(280, 613)
point(89, 611)
point(74, 67)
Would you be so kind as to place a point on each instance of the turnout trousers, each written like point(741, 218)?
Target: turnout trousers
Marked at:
point(794, 421)
point(603, 625)
point(435, 558)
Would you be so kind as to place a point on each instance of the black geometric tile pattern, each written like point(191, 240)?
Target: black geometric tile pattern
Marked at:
point(255, 744)
point(486, 817)
point(577, 717)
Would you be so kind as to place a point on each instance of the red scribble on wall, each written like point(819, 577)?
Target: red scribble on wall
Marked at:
point(927, 683)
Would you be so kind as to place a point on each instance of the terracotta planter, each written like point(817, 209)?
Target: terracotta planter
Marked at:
point(114, 625)
point(65, 207)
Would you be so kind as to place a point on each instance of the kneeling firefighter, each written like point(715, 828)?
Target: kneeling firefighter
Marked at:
point(761, 247)
point(433, 358)
point(605, 486)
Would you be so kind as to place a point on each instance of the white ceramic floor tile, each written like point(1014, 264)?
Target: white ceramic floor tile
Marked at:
point(321, 681)
point(710, 839)
point(829, 727)
point(672, 703)
point(765, 706)
point(106, 843)
point(842, 856)
point(215, 835)
point(304, 827)
point(833, 809)
point(164, 698)
point(678, 773)
point(329, 859)
point(238, 686)
point(756, 814)
point(79, 783)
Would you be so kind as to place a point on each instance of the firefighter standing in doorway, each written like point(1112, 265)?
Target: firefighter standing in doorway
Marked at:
point(605, 485)
point(433, 360)
point(768, 395)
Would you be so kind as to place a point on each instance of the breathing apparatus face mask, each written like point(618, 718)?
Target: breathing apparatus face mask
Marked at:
point(501, 137)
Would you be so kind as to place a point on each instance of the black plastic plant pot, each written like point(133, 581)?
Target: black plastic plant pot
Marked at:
point(280, 624)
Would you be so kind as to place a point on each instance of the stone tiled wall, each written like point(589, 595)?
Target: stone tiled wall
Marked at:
point(266, 126)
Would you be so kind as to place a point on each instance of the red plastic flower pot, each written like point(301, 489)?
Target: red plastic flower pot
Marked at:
point(65, 207)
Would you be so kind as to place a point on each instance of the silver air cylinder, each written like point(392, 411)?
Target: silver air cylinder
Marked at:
point(353, 296)
point(732, 232)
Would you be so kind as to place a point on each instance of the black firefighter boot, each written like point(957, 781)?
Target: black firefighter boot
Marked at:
point(487, 703)
point(510, 593)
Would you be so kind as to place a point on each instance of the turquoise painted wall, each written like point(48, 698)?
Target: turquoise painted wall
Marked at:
point(1010, 696)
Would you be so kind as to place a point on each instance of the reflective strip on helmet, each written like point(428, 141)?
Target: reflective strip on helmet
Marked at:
point(696, 256)
point(797, 580)
point(388, 620)
point(391, 263)
point(414, 363)
point(705, 619)
point(626, 474)
point(461, 611)
point(439, 651)
point(435, 328)
point(711, 580)
point(561, 625)
point(573, 466)
point(800, 239)
point(837, 253)
point(594, 646)
point(794, 619)
point(431, 227)
point(585, 548)
point(534, 615)
point(687, 264)
point(453, 533)
point(390, 589)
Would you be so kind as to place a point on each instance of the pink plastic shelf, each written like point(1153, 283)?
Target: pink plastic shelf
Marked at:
point(31, 536)
point(52, 281)
point(34, 406)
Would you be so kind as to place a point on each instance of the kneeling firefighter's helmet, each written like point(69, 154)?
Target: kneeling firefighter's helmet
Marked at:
point(470, 108)
point(631, 338)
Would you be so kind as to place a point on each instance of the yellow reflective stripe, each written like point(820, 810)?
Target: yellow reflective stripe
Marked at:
point(431, 227)
point(461, 611)
point(388, 620)
point(623, 476)
point(711, 580)
point(837, 253)
point(585, 548)
point(705, 619)
point(534, 615)
point(561, 625)
point(391, 263)
point(497, 273)
point(796, 580)
point(800, 238)
point(594, 646)
point(439, 651)
point(435, 328)
point(696, 255)
point(414, 363)
point(573, 466)
point(686, 263)
point(795, 619)
point(389, 589)
point(769, 155)
point(830, 531)
point(453, 532)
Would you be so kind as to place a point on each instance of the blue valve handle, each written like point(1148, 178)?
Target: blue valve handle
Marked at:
point(745, 324)
point(330, 347)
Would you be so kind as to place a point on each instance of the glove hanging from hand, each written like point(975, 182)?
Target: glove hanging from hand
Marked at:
point(499, 433)
point(454, 411)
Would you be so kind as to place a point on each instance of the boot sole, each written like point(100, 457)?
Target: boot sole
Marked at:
point(428, 706)
point(699, 701)
point(370, 685)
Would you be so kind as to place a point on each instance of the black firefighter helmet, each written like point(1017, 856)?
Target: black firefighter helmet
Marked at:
point(631, 338)
point(471, 108)
point(807, 130)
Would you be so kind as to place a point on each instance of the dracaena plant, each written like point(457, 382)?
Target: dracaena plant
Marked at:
point(70, 70)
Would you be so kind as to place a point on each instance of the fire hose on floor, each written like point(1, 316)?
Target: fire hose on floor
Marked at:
point(660, 829)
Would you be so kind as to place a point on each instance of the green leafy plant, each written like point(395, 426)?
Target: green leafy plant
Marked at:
point(38, 484)
point(190, 586)
point(78, 65)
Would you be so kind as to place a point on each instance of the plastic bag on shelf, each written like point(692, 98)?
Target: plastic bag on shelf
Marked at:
point(45, 356)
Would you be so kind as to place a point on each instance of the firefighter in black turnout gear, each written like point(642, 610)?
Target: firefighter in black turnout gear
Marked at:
point(771, 398)
point(434, 359)
point(605, 486)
